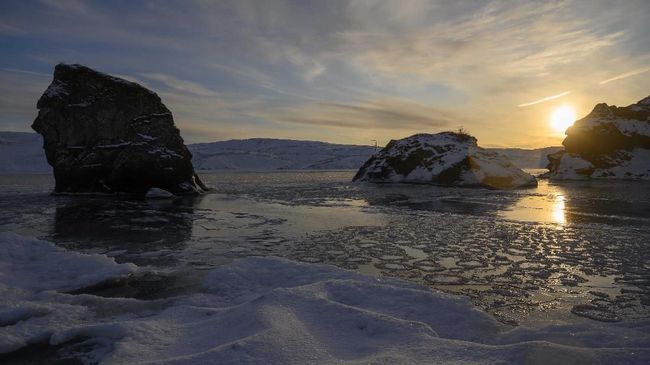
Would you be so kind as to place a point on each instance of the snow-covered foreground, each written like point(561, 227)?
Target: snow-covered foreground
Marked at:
point(274, 311)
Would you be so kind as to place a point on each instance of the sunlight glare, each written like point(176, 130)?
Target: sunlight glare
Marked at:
point(562, 118)
point(558, 210)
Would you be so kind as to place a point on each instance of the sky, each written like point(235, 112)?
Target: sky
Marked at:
point(343, 71)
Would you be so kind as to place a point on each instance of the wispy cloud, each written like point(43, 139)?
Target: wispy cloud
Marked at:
point(377, 114)
point(26, 72)
point(316, 70)
point(552, 97)
point(6, 29)
point(180, 85)
point(625, 75)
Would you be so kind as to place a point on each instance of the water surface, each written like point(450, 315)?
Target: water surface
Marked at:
point(526, 256)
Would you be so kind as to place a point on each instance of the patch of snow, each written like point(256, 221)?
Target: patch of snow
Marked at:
point(35, 265)
point(569, 166)
point(147, 137)
point(275, 311)
point(32, 272)
point(633, 164)
point(56, 89)
point(156, 193)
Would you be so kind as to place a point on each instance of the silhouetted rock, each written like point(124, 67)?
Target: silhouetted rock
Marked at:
point(446, 158)
point(103, 134)
point(610, 142)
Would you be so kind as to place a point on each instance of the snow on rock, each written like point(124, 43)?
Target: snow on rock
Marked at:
point(275, 311)
point(155, 193)
point(446, 158)
point(609, 143)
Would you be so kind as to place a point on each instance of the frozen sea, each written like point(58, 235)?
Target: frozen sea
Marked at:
point(564, 253)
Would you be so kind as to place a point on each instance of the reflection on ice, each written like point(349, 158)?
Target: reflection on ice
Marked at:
point(558, 209)
point(546, 205)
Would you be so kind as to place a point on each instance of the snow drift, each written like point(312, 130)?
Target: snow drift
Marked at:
point(446, 158)
point(275, 311)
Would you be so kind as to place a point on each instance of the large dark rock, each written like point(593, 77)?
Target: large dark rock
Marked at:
point(103, 134)
point(611, 142)
point(446, 158)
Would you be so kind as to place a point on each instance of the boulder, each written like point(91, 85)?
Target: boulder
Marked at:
point(103, 134)
point(446, 158)
point(609, 143)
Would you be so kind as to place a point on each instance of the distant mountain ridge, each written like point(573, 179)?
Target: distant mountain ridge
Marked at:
point(277, 154)
point(22, 152)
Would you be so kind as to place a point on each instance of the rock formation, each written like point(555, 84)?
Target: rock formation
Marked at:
point(446, 158)
point(611, 142)
point(103, 134)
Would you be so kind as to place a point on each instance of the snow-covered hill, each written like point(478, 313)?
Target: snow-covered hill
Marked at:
point(527, 158)
point(22, 152)
point(446, 158)
point(275, 154)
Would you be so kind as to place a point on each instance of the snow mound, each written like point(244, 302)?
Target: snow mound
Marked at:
point(446, 158)
point(32, 272)
point(155, 193)
point(35, 265)
point(275, 311)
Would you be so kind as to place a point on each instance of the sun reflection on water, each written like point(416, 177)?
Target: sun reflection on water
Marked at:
point(558, 210)
point(547, 204)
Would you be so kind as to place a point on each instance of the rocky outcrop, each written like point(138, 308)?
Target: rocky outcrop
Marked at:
point(103, 134)
point(609, 143)
point(446, 158)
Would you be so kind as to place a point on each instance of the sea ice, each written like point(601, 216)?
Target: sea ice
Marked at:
point(274, 311)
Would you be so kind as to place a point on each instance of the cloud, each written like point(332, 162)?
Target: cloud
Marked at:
point(341, 69)
point(545, 99)
point(73, 7)
point(180, 85)
point(376, 114)
point(625, 75)
point(7, 29)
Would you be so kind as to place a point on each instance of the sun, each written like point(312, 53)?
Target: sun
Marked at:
point(562, 118)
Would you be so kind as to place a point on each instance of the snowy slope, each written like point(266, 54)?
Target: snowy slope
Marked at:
point(527, 158)
point(275, 311)
point(445, 158)
point(22, 153)
point(273, 154)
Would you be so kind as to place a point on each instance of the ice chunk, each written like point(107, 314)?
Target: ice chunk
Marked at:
point(31, 264)
point(156, 193)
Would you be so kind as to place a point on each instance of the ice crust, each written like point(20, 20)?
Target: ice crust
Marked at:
point(275, 311)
